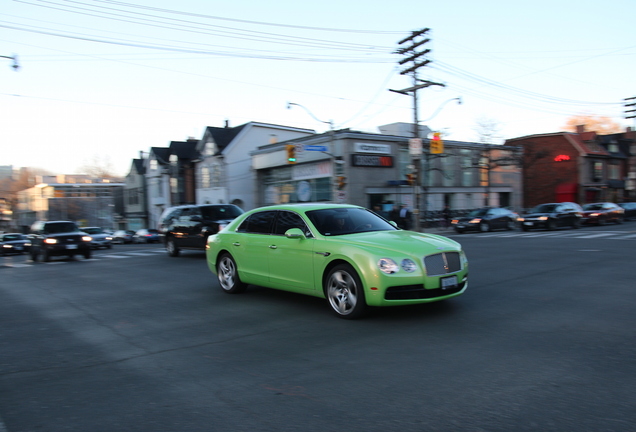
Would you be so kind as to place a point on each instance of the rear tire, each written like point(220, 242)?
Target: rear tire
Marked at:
point(87, 254)
point(172, 248)
point(46, 256)
point(227, 272)
point(484, 227)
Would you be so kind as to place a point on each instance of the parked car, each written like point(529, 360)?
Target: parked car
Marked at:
point(146, 236)
point(55, 238)
point(630, 210)
point(99, 237)
point(602, 213)
point(123, 236)
point(14, 243)
point(553, 215)
point(189, 226)
point(343, 253)
point(486, 219)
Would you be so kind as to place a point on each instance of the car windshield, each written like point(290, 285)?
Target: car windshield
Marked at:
point(92, 230)
point(341, 221)
point(478, 213)
point(10, 237)
point(62, 227)
point(544, 208)
point(220, 212)
point(593, 207)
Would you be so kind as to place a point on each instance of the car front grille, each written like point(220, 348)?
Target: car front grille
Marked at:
point(417, 292)
point(442, 263)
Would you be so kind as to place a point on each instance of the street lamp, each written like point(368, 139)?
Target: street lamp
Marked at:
point(15, 64)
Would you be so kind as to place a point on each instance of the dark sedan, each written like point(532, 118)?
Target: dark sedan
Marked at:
point(553, 215)
point(630, 210)
point(14, 243)
point(486, 219)
point(602, 213)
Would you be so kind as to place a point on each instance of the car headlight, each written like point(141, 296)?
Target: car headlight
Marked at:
point(109, 238)
point(50, 241)
point(408, 265)
point(543, 218)
point(388, 266)
point(595, 214)
point(475, 221)
point(87, 238)
point(520, 219)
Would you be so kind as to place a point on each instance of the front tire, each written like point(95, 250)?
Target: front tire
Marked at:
point(227, 272)
point(172, 248)
point(345, 292)
point(46, 256)
point(484, 227)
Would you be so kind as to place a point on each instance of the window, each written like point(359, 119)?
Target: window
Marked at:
point(287, 220)
point(614, 170)
point(258, 223)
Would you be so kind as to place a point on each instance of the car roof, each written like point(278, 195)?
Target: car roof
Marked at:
point(305, 207)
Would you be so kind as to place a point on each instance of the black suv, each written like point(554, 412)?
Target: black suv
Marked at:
point(55, 238)
point(188, 226)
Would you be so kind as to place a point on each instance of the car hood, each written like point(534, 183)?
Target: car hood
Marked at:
point(468, 218)
point(65, 234)
point(402, 241)
point(536, 215)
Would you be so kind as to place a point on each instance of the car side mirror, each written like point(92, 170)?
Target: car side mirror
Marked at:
point(294, 233)
point(394, 223)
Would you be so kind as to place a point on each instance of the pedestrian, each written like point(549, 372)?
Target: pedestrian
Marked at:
point(394, 215)
point(405, 218)
point(446, 214)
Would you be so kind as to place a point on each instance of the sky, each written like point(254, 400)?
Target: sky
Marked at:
point(102, 80)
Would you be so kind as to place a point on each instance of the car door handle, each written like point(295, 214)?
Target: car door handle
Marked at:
point(236, 244)
point(273, 246)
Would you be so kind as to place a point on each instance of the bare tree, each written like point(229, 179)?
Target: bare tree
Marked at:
point(488, 131)
point(599, 124)
point(98, 166)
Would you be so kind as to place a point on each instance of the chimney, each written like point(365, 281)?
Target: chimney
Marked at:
point(227, 123)
point(580, 129)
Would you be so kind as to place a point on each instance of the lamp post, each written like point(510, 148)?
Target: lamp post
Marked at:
point(335, 165)
point(15, 64)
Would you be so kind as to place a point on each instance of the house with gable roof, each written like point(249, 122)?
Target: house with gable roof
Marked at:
point(565, 166)
point(135, 215)
point(224, 171)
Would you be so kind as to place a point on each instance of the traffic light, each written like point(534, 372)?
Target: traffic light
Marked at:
point(291, 153)
point(437, 145)
point(410, 178)
point(342, 182)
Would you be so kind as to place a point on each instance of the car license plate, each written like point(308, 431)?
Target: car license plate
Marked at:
point(71, 246)
point(461, 226)
point(528, 223)
point(449, 282)
point(18, 248)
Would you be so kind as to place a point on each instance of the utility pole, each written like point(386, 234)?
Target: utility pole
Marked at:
point(630, 103)
point(414, 58)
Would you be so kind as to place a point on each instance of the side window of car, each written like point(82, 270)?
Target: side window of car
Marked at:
point(287, 220)
point(258, 223)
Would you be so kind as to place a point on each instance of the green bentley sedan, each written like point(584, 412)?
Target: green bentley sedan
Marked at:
point(347, 254)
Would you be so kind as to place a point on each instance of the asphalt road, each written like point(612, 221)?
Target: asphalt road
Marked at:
point(133, 340)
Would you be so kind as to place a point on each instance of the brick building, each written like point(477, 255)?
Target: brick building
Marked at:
point(581, 167)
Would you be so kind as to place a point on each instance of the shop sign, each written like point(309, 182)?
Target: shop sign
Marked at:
point(371, 161)
point(372, 148)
